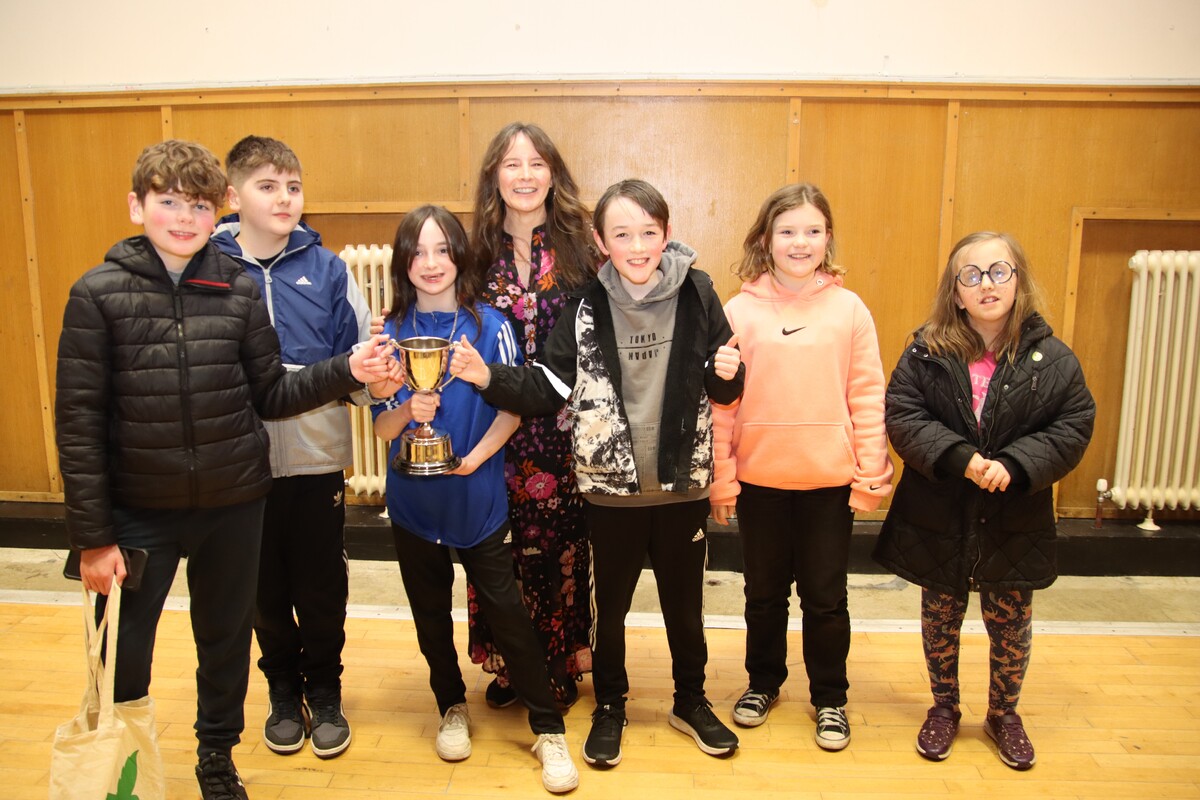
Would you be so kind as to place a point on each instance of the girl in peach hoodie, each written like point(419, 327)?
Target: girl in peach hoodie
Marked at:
point(801, 451)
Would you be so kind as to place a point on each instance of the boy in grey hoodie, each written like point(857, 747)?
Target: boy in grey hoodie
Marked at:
point(637, 355)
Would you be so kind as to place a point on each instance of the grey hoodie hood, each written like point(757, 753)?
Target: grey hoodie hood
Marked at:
point(677, 258)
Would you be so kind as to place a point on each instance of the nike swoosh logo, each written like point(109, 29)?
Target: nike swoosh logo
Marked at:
point(874, 488)
point(786, 332)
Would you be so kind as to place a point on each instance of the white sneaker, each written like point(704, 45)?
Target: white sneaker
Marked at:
point(454, 734)
point(558, 770)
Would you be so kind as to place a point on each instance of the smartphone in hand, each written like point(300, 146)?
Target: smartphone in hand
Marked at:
point(135, 565)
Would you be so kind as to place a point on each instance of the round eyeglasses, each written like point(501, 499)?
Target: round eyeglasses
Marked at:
point(1000, 272)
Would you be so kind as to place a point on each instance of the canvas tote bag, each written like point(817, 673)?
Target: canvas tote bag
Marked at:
point(109, 751)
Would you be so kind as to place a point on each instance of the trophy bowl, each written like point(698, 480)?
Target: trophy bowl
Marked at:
point(424, 450)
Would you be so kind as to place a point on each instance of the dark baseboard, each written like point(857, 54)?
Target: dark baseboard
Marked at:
point(1118, 548)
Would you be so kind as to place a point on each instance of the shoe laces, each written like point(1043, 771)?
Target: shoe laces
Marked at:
point(325, 712)
point(219, 778)
point(456, 717)
point(608, 719)
point(758, 702)
point(703, 714)
point(285, 705)
point(551, 747)
point(832, 718)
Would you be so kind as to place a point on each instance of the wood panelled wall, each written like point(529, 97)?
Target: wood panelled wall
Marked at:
point(908, 168)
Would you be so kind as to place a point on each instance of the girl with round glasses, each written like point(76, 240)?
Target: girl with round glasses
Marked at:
point(987, 409)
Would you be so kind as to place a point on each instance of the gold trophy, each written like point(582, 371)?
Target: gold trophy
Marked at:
point(424, 451)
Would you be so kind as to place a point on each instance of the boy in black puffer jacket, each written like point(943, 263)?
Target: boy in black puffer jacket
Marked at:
point(166, 363)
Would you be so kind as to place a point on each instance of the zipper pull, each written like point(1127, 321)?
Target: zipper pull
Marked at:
point(1033, 383)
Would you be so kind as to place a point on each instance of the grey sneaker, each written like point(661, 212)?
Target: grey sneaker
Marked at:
point(453, 741)
point(287, 724)
point(330, 729)
point(833, 729)
point(558, 770)
point(752, 708)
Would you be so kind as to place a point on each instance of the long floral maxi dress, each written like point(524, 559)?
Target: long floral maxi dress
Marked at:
point(550, 545)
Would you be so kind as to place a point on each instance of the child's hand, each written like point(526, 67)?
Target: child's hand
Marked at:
point(994, 477)
point(377, 322)
point(392, 383)
point(98, 565)
point(424, 405)
point(987, 475)
point(727, 359)
point(372, 361)
point(467, 466)
point(722, 514)
point(469, 365)
point(975, 468)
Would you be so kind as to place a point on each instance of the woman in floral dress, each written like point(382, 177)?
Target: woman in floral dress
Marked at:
point(530, 226)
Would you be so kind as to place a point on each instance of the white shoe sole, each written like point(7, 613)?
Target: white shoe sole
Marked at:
point(680, 725)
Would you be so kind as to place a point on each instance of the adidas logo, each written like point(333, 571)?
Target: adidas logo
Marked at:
point(699, 537)
point(508, 538)
point(304, 281)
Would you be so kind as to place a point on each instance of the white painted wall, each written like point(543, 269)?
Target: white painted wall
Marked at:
point(69, 45)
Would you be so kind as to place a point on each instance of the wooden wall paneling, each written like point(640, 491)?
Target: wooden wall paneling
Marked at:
point(464, 150)
point(881, 166)
point(401, 153)
point(795, 109)
point(26, 446)
point(1022, 168)
point(1099, 340)
point(80, 163)
point(339, 230)
point(166, 117)
point(714, 159)
point(949, 176)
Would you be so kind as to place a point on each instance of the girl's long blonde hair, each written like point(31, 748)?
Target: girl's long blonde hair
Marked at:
point(948, 331)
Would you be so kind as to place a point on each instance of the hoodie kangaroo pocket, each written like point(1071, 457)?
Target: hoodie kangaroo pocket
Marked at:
point(806, 455)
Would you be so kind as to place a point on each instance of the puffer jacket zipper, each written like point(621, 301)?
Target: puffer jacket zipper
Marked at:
point(185, 400)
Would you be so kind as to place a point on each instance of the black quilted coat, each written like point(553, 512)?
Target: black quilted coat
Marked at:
point(160, 388)
point(942, 531)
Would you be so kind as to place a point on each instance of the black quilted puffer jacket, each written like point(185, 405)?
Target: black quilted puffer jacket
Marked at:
point(160, 388)
point(942, 531)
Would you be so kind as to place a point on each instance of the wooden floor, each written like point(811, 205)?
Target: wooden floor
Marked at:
point(1110, 716)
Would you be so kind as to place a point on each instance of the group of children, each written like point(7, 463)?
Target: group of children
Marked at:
point(774, 409)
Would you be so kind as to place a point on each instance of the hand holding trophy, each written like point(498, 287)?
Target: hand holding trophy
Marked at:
point(423, 450)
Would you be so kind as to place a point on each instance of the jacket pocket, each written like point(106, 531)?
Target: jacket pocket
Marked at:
point(807, 455)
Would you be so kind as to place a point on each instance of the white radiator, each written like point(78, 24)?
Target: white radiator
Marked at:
point(371, 266)
point(1158, 447)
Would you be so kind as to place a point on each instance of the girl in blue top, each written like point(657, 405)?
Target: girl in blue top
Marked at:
point(435, 294)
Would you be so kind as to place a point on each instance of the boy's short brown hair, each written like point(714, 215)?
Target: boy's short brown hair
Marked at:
point(640, 192)
point(253, 152)
point(178, 166)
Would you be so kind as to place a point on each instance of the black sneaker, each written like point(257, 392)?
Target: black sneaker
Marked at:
point(287, 724)
point(498, 696)
point(219, 779)
point(330, 730)
point(699, 722)
point(603, 745)
point(752, 707)
point(833, 729)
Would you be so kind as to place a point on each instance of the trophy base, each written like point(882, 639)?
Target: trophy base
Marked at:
point(425, 455)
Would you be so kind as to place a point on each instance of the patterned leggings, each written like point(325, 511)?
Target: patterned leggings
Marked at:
point(1008, 618)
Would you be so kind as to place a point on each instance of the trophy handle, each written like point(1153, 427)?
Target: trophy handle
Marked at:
point(449, 380)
